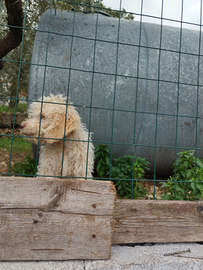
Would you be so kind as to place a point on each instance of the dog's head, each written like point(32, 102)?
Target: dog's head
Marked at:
point(52, 117)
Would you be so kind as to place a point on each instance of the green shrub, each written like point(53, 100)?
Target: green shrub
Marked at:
point(187, 181)
point(102, 160)
point(122, 169)
point(140, 192)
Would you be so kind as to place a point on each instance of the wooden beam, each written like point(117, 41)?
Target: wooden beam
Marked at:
point(148, 221)
point(55, 219)
point(60, 219)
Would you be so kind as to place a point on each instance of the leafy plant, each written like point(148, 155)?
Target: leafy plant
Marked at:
point(187, 182)
point(102, 160)
point(25, 168)
point(140, 191)
point(122, 169)
point(139, 167)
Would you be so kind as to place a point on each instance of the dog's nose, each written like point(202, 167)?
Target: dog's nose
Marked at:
point(22, 125)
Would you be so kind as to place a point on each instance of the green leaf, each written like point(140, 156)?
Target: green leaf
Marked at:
point(96, 155)
point(164, 185)
point(193, 186)
point(166, 197)
point(199, 186)
point(185, 164)
point(107, 160)
point(178, 188)
point(199, 163)
point(98, 167)
point(179, 197)
point(190, 174)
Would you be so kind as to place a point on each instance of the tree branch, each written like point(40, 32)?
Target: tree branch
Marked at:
point(15, 22)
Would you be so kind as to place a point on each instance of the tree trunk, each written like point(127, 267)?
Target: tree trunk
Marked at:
point(15, 22)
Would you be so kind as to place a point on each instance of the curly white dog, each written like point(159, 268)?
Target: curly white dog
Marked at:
point(74, 148)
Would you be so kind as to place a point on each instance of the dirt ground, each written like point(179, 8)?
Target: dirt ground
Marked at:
point(5, 154)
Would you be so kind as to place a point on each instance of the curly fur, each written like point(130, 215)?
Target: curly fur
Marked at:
point(52, 127)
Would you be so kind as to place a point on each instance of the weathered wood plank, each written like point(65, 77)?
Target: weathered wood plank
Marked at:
point(55, 219)
point(142, 221)
point(46, 193)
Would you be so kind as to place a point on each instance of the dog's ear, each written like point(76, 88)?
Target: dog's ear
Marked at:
point(57, 127)
point(72, 120)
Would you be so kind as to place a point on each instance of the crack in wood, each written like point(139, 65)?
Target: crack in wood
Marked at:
point(45, 210)
point(88, 191)
point(73, 213)
point(47, 249)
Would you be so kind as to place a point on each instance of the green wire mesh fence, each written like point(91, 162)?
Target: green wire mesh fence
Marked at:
point(130, 172)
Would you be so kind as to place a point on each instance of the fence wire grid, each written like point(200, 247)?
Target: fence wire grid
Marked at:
point(150, 74)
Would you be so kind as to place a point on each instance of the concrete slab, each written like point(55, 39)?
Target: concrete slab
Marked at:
point(51, 265)
point(154, 257)
point(147, 257)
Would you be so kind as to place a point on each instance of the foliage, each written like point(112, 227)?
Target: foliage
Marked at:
point(102, 160)
point(15, 74)
point(25, 168)
point(140, 192)
point(114, 13)
point(122, 169)
point(187, 182)
point(92, 6)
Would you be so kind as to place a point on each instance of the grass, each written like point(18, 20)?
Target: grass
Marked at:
point(22, 107)
point(20, 145)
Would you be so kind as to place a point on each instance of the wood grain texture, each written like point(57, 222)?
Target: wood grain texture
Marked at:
point(142, 221)
point(55, 219)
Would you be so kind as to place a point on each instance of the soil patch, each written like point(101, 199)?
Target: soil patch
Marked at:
point(7, 119)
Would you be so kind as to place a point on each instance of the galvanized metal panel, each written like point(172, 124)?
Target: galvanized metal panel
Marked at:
point(96, 61)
